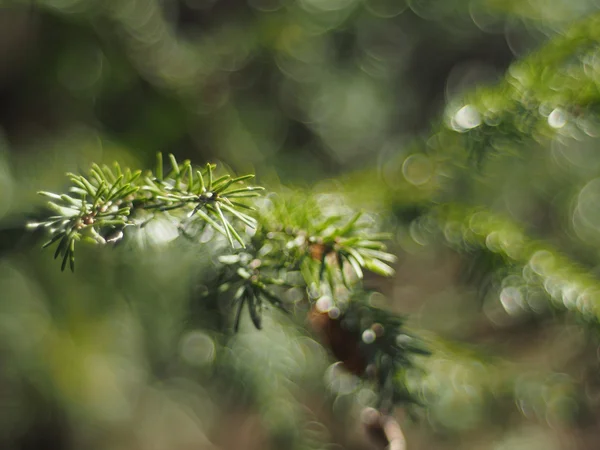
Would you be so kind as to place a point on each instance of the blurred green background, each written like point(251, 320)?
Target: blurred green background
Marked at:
point(365, 98)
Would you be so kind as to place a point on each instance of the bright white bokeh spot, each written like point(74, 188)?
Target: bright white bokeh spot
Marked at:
point(368, 336)
point(324, 304)
point(466, 118)
point(334, 313)
point(557, 118)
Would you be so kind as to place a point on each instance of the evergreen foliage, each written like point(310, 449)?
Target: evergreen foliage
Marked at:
point(119, 198)
point(313, 254)
point(294, 243)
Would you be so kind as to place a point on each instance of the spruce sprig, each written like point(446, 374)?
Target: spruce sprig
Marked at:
point(296, 244)
point(337, 245)
point(101, 204)
point(299, 245)
point(325, 246)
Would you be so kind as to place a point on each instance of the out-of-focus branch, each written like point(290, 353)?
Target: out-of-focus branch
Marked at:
point(383, 430)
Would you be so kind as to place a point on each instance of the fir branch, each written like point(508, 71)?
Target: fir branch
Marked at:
point(371, 343)
point(293, 235)
point(479, 381)
point(569, 285)
point(104, 202)
point(297, 244)
point(550, 93)
point(254, 283)
point(329, 250)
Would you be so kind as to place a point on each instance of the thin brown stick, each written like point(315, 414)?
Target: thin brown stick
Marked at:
point(383, 430)
point(393, 433)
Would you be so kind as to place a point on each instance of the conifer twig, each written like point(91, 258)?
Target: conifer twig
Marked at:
point(102, 204)
point(383, 429)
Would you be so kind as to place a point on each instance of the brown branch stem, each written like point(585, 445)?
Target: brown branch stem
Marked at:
point(384, 430)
